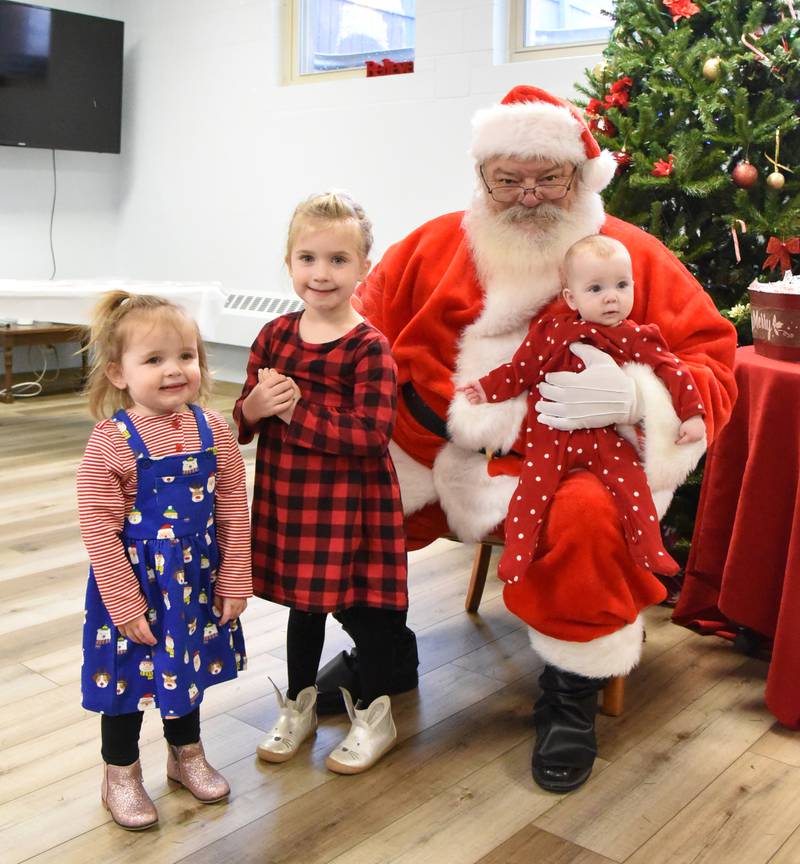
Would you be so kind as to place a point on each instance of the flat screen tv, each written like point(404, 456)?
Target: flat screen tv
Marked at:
point(60, 79)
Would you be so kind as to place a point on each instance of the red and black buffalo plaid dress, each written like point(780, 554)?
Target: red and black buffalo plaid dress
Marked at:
point(327, 518)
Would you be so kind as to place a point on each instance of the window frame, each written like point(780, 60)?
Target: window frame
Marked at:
point(521, 52)
point(291, 63)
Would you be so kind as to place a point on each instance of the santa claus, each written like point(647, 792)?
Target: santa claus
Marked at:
point(455, 299)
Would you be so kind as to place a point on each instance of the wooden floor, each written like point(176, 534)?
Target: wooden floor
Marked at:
point(694, 771)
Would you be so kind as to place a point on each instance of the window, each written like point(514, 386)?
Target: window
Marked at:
point(337, 35)
point(558, 23)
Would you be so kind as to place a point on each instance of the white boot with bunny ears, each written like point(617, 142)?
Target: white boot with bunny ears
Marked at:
point(296, 722)
point(371, 735)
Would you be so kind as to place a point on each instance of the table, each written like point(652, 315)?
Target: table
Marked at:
point(744, 566)
point(40, 333)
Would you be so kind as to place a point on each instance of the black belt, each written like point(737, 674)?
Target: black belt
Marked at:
point(422, 412)
point(430, 420)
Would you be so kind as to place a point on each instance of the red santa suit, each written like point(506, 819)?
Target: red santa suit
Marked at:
point(455, 299)
point(549, 454)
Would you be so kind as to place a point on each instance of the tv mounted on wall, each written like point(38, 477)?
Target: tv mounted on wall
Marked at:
point(60, 79)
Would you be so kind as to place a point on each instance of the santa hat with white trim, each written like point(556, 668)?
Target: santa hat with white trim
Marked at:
point(532, 124)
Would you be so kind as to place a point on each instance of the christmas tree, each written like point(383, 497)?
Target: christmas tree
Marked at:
point(701, 105)
point(700, 102)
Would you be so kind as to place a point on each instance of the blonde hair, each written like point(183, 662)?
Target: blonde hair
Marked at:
point(113, 318)
point(595, 244)
point(329, 208)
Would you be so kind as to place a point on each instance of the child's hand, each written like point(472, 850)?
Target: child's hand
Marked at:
point(138, 630)
point(272, 395)
point(691, 430)
point(474, 392)
point(232, 607)
point(286, 415)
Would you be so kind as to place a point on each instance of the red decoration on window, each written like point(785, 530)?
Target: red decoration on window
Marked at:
point(388, 67)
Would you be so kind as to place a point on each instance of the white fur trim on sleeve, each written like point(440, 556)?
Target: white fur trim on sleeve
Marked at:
point(615, 654)
point(416, 480)
point(473, 502)
point(666, 463)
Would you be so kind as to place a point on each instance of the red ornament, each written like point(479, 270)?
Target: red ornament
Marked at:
point(681, 8)
point(623, 159)
point(662, 168)
point(745, 174)
point(779, 253)
point(594, 109)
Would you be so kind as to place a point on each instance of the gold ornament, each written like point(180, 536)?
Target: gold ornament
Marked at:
point(599, 70)
point(776, 180)
point(712, 68)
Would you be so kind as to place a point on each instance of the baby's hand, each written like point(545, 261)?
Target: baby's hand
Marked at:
point(138, 630)
point(691, 430)
point(232, 607)
point(474, 392)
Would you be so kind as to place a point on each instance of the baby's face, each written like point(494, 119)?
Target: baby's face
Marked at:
point(600, 289)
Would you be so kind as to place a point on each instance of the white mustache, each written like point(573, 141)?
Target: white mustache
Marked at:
point(544, 213)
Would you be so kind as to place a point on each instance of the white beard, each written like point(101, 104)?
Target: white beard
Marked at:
point(518, 253)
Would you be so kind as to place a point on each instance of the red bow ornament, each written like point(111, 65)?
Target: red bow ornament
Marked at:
point(780, 253)
point(681, 8)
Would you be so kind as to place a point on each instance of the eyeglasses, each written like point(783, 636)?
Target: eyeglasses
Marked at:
point(541, 191)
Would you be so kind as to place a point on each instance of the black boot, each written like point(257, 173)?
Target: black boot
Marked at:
point(342, 670)
point(564, 718)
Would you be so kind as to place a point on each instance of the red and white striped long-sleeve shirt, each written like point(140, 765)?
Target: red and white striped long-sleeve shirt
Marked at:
point(107, 490)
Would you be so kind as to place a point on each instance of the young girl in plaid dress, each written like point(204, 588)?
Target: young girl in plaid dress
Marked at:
point(327, 517)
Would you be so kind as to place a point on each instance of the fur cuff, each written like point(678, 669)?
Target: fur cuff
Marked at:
point(666, 463)
point(615, 654)
point(473, 502)
point(416, 480)
point(494, 427)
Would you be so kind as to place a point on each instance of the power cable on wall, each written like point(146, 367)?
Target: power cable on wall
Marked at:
point(52, 215)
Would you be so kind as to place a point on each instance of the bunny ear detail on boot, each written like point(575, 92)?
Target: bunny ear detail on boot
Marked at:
point(371, 735)
point(296, 722)
point(278, 696)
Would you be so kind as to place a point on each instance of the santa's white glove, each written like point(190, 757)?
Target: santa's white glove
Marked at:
point(600, 395)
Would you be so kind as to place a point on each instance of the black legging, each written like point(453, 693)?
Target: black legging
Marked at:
point(120, 734)
point(372, 631)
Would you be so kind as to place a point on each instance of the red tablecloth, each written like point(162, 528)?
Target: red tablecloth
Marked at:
point(744, 566)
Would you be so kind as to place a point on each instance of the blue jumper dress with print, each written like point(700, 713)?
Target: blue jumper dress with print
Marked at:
point(169, 539)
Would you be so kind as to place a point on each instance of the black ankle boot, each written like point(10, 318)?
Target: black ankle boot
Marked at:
point(564, 717)
point(342, 671)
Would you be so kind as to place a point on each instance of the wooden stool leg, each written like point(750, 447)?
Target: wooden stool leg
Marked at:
point(477, 581)
point(614, 696)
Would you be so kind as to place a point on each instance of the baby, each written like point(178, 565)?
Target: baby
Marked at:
point(598, 281)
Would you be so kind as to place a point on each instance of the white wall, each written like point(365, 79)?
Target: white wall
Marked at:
point(219, 152)
point(216, 151)
point(87, 202)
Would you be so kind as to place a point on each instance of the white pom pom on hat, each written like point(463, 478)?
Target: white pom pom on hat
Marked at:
point(531, 123)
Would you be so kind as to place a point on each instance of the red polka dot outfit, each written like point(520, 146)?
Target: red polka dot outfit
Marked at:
point(551, 454)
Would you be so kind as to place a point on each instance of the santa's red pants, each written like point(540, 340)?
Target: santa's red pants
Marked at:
point(583, 583)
